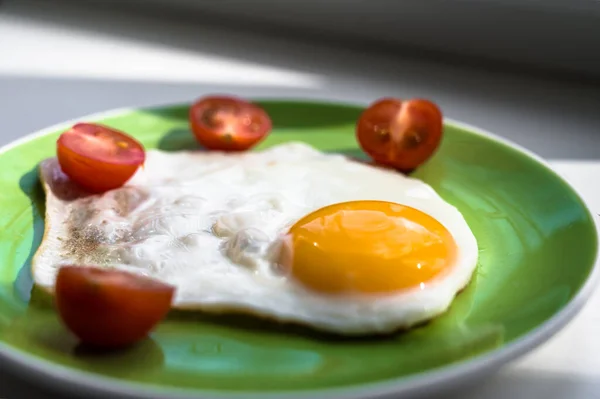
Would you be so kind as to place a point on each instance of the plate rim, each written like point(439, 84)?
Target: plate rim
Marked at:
point(52, 375)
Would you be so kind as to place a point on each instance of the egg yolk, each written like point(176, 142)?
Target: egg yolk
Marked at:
point(367, 247)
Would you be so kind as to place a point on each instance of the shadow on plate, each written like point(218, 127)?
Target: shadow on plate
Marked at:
point(298, 114)
point(286, 114)
point(146, 354)
point(268, 326)
point(30, 186)
point(179, 139)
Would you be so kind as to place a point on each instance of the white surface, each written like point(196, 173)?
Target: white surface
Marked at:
point(39, 44)
point(96, 55)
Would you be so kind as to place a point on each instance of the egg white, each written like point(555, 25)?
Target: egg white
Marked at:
point(209, 223)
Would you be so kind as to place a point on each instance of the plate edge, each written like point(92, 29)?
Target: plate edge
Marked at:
point(409, 385)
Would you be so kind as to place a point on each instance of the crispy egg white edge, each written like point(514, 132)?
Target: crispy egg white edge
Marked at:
point(44, 274)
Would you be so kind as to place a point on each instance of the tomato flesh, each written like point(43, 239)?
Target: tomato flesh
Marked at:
point(97, 157)
point(228, 123)
point(110, 308)
point(401, 134)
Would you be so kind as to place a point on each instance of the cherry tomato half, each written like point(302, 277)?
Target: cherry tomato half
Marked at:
point(97, 157)
point(400, 133)
point(228, 123)
point(110, 308)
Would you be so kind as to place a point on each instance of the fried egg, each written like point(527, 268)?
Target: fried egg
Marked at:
point(287, 233)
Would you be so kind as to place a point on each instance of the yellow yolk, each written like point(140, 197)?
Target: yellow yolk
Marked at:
point(367, 247)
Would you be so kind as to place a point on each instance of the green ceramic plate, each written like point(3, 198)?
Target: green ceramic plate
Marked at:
point(537, 240)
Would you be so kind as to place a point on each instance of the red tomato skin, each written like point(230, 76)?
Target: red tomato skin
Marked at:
point(402, 134)
point(235, 135)
point(88, 169)
point(110, 314)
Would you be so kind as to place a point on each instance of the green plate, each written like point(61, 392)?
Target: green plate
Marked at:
point(538, 245)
